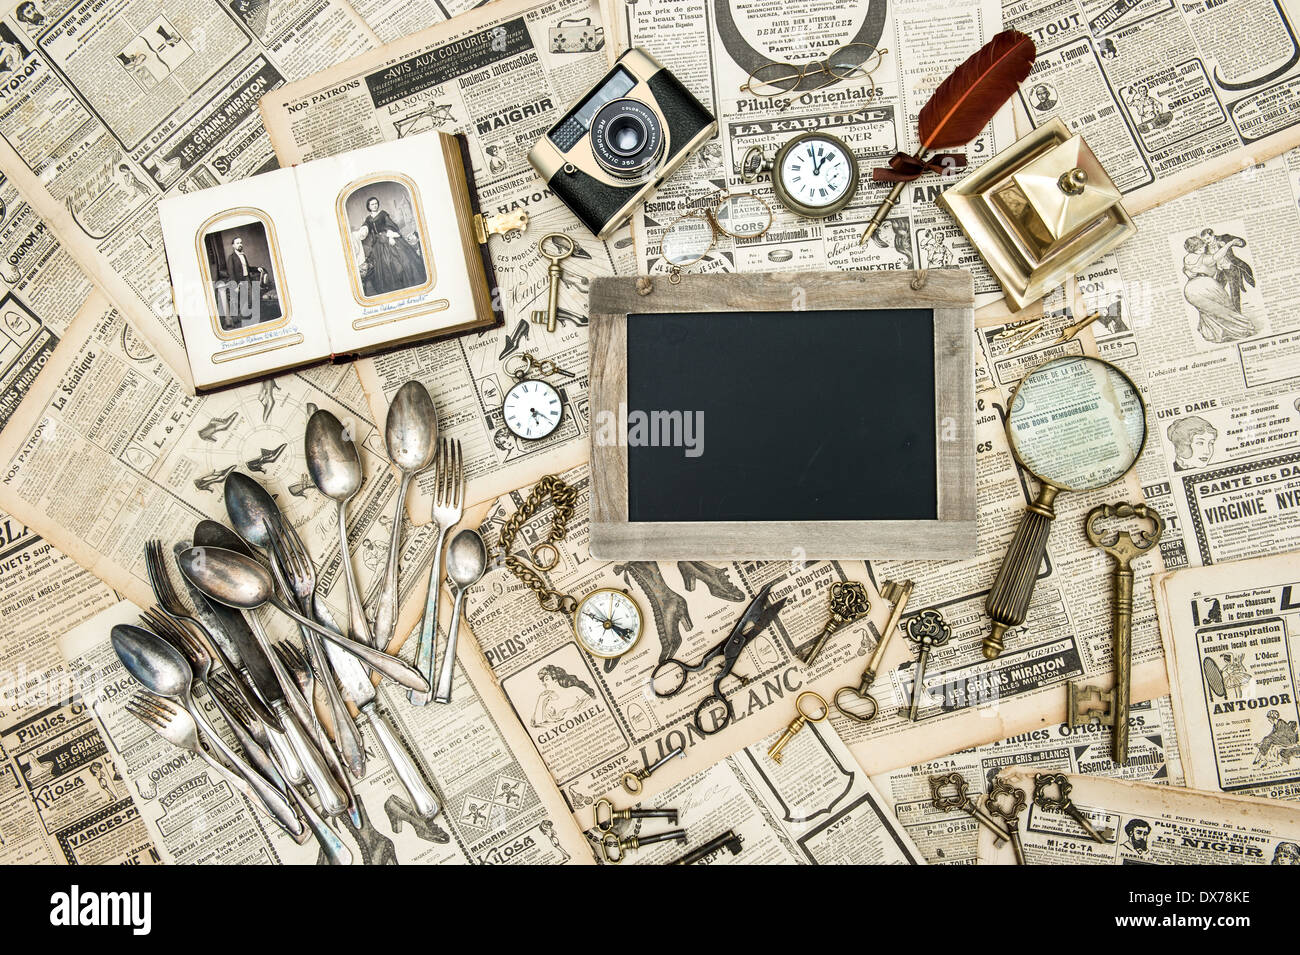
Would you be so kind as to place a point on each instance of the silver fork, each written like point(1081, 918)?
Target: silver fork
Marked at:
point(222, 687)
point(289, 552)
point(448, 508)
point(178, 727)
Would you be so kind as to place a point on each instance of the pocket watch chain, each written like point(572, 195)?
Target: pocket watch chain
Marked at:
point(565, 499)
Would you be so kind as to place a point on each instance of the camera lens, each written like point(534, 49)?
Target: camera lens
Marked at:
point(627, 138)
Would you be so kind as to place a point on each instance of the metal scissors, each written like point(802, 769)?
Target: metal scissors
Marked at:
point(751, 623)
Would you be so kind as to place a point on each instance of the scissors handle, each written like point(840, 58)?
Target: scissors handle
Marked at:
point(705, 704)
point(673, 666)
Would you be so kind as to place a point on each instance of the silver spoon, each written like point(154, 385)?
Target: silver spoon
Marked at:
point(411, 435)
point(253, 512)
point(239, 581)
point(160, 668)
point(466, 561)
point(335, 468)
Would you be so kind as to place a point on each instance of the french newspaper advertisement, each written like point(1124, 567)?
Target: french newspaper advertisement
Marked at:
point(1229, 636)
point(64, 802)
point(1183, 306)
point(817, 807)
point(951, 836)
point(1170, 96)
point(714, 46)
point(503, 74)
point(492, 813)
point(108, 105)
point(1145, 824)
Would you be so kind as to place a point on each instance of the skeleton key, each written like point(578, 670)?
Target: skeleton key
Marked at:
point(554, 272)
point(927, 630)
point(1062, 803)
point(863, 705)
point(848, 603)
point(798, 722)
point(728, 840)
point(959, 800)
point(632, 778)
point(611, 814)
point(615, 849)
point(995, 806)
point(1089, 704)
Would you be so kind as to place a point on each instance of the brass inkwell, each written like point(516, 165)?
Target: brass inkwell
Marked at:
point(1040, 211)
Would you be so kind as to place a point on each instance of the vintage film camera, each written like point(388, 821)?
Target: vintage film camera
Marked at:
point(620, 141)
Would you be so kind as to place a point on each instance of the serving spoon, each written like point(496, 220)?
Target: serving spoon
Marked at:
point(335, 468)
point(239, 581)
point(160, 668)
point(411, 435)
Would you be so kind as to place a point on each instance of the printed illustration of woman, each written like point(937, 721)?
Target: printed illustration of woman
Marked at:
point(1207, 266)
point(562, 694)
point(889, 246)
point(394, 263)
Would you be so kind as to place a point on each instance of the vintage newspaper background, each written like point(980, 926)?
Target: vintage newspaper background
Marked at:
point(501, 75)
point(951, 837)
point(1152, 825)
point(63, 802)
point(817, 808)
point(108, 105)
point(1170, 96)
point(1230, 634)
point(492, 812)
point(713, 46)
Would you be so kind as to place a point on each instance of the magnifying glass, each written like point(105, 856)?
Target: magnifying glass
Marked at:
point(1076, 424)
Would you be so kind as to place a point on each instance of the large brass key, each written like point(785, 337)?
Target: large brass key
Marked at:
point(1090, 704)
point(849, 602)
point(563, 249)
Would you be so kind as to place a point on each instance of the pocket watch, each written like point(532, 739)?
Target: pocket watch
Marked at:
point(814, 174)
point(532, 408)
point(607, 622)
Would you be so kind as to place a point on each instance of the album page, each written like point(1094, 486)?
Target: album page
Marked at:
point(1230, 633)
point(1145, 824)
point(503, 74)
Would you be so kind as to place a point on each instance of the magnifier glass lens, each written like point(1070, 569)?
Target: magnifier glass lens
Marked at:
point(1077, 423)
point(743, 217)
point(688, 240)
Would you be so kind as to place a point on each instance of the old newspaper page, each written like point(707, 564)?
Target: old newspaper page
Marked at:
point(1230, 633)
point(816, 808)
point(492, 811)
point(712, 47)
point(108, 106)
point(951, 837)
point(1146, 824)
point(1170, 96)
point(504, 74)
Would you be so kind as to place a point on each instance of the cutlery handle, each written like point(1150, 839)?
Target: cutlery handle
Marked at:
point(356, 610)
point(399, 671)
point(443, 695)
point(386, 609)
point(422, 798)
point(336, 853)
point(282, 676)
point(256, 755)
point(272, 800)
point(331, 797)
point(424, 651)
point(345, 731)
point(284, 756)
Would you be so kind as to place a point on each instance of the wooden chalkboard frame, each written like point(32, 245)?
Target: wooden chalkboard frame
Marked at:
point(948, 292)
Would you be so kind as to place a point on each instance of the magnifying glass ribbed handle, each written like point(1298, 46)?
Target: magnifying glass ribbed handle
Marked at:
point(1008, 600)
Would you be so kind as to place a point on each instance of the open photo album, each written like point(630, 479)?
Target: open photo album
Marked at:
point(331, 259)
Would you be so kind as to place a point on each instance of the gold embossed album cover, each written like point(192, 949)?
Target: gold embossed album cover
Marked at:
point(327, 260)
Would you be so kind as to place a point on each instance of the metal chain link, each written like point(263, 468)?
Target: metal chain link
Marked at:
point(565, 499)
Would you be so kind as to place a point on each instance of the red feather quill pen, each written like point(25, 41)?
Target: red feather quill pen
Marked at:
point(963, 105)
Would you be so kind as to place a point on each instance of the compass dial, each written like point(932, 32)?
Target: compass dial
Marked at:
point(607, 622)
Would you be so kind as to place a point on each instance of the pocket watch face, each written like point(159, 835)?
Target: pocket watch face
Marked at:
point(607, 622)
point(815, 175)
point(532, 409)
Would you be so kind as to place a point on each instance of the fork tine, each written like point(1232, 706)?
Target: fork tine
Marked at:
point(174, 633)
point(458, 476)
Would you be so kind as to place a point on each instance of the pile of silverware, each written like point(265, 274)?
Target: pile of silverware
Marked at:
point(287, 705)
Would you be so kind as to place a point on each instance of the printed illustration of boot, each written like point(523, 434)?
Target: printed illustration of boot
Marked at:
point(400, 811)
point(668, 607)
point(715, 579)
point(376, 848)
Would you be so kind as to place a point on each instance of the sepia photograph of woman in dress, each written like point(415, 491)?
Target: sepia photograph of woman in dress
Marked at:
point(1216, 279)
point(385, 238)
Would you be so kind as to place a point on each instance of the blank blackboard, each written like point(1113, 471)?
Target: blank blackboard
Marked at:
point(806, 416)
